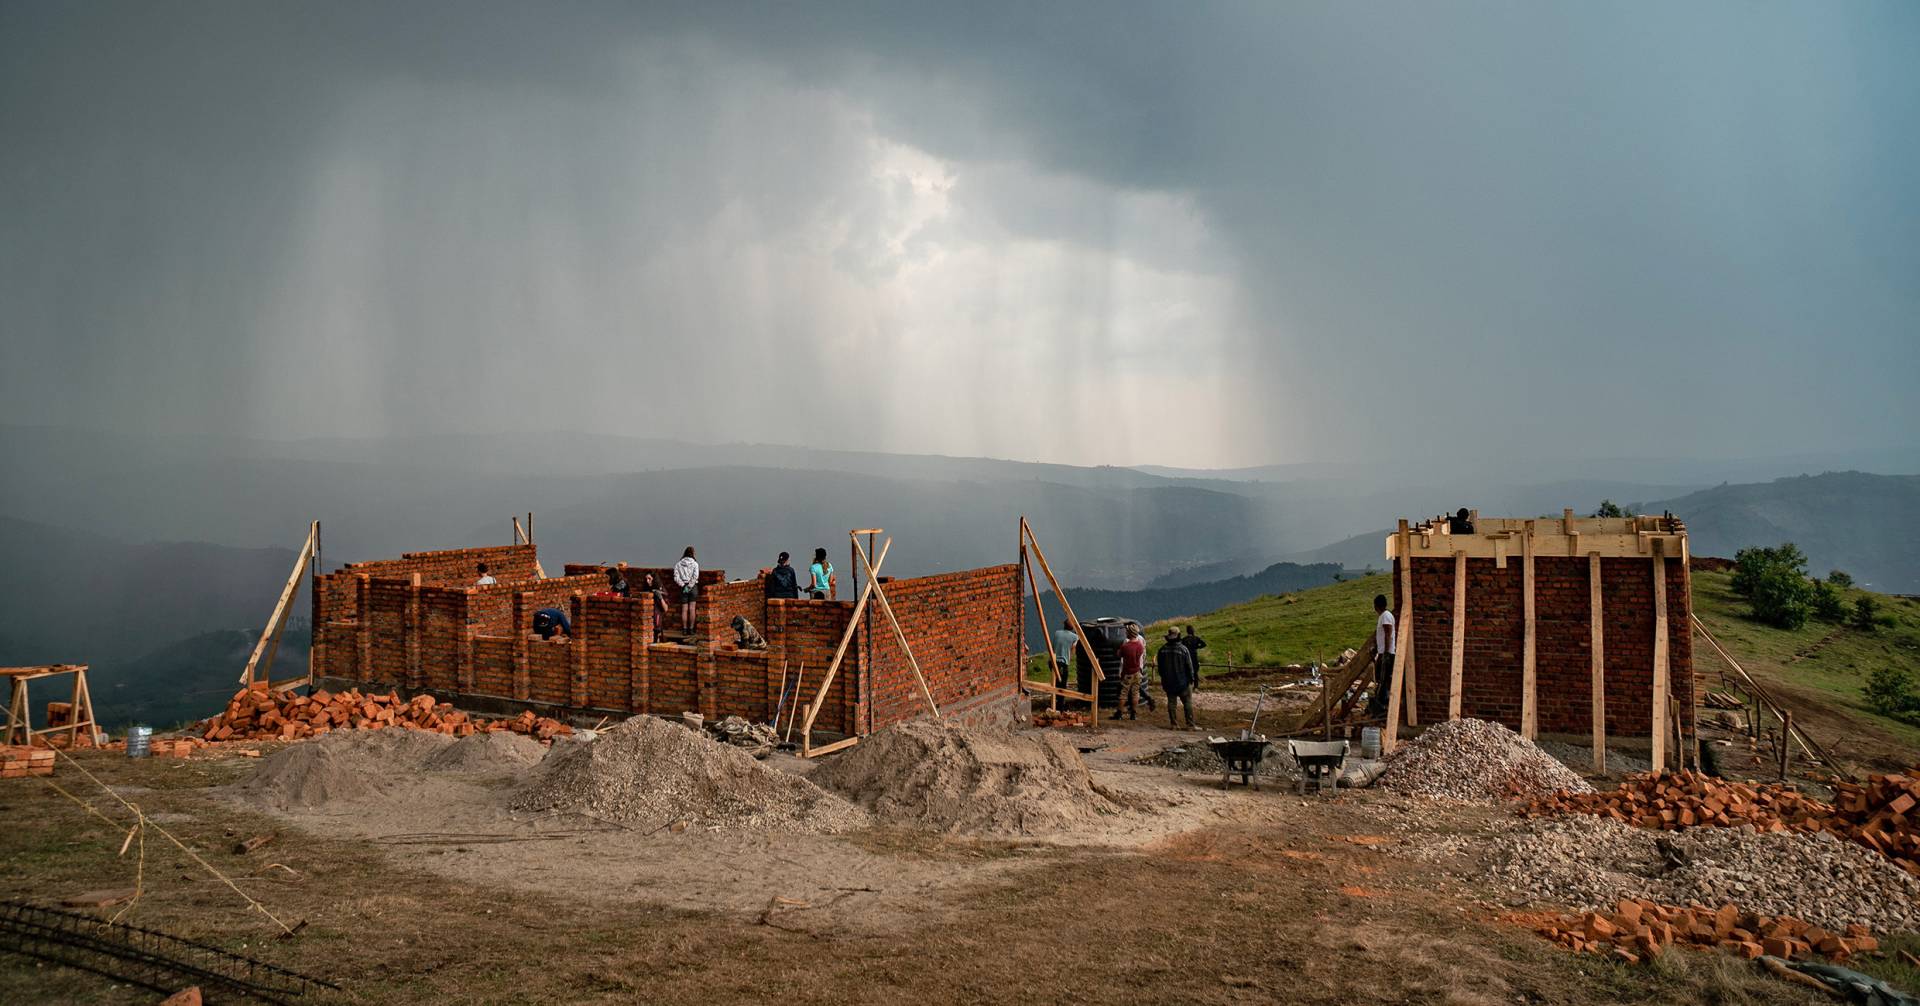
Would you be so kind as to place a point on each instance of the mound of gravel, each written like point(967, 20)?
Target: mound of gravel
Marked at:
point(1469, 759)
point(491, 752)
point(345, 766)
point(653, 772)
point(1590, 863)
point(957, 780)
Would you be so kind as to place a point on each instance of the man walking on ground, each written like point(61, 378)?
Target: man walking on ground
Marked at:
point(686, 575)
point(1133, 659)
point(1194, 645)
point(1065, 641)
point(1176, 676)
point(1383, 646)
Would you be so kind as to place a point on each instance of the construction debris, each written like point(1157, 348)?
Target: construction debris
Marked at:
point(18, 761)
point(756, 739)
point(262, 714)
point(658, 773)
point(1059, 718)
point(1879, 814)
point(1641, 930)
point(1469, 759)
point(1589, 863)
point(949, 778)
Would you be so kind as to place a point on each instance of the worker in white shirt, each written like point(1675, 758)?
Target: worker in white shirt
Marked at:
point(486, 578)
point(686, 575)
point(1383, 654)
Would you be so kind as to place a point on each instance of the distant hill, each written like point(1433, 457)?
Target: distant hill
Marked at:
point(1854, 521)
point(1156, 603)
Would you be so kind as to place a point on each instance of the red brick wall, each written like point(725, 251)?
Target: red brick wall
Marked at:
point(550, 672)
point(740, 680)
point(493, 665)
point(443, 636)
point(803, 636)
point(962, 628)
point(1495, 641)
point(608, 626)
point(671, 671)
point(720, 602)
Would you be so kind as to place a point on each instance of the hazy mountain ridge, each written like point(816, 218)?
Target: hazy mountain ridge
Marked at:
point(1855, 521)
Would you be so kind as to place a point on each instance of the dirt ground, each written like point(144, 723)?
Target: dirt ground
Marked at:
point(1192, 895)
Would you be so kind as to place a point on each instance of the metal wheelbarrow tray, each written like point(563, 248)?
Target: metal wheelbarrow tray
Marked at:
point(1241, 757)
point(1320, 761)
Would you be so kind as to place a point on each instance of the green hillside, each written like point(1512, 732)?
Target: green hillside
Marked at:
point(1294, 628)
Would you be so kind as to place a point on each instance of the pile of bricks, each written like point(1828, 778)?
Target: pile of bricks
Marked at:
point(1640, 930)
point(1879, 814)
point(172, 747)
point(255, 714)
point(17, 761)
point(1059, 718)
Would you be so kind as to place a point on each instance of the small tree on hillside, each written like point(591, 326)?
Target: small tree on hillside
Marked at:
point(1749, 564)
point(1866, 612)
point(1840, 578)
point(1826, 604)
point(1781, 597)
point(1889, 691)
point(1609, 508)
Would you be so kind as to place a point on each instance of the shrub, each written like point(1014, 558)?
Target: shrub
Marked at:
point(1609, 508)
point(1781, 598)
point(1750, 564)
point(1865, 614)
point(1840, 579)
point(1889, 692)
point(1826, 604)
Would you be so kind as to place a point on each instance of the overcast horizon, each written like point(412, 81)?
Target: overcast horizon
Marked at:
point(1204, 237)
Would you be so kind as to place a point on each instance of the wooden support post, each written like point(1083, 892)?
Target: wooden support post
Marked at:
point(899, 633)
point(840, 651)
point(363, 599)
point(1046, 631)
point(1403, 641)
point(269, 642)
point(522, 680)
point(410, 632)
point(1529, 661)
point(1596, 619)
point(1457, 672)
point(577, 654)
point(1093, 655)
point(1660, 684)
point(639, 634)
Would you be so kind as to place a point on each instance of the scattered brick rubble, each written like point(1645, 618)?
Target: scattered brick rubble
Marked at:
point(257, 714)
point(1879, 814)
point(1641, 929)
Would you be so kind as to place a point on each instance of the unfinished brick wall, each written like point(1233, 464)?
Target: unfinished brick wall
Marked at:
point(457, 640)
point(963, 631)
point(1491, 678)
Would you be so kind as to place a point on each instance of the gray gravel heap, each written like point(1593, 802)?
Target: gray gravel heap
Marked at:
point(1590, 863)
point(654, 772)
point(1469, 759)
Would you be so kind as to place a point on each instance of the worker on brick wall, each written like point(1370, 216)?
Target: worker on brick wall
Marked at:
point(821, 586)
point(1383, 647)
point(1175, 663)
point(781, 580)
point(616, 584)
point(1133, 659)
point(486, 578)
point(650, 587)
point(686, 575)
point(549, 622)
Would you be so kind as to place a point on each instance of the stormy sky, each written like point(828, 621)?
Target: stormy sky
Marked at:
point(1187, 234)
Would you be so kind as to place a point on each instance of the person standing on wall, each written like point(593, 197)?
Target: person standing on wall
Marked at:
point(1175, 664)
point(1194, 645)
point(1383, 647)
point(1065, 641)
point(616, 584)
point(650, 587)
point(782, 582)
point(1133, 659)
point(821, 587)
point(486, 578)
point(686, 575)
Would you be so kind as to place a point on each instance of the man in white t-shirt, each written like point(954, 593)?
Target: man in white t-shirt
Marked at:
point(1383, 654)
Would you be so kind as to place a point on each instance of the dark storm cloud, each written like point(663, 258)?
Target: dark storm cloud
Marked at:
point(1347, 229)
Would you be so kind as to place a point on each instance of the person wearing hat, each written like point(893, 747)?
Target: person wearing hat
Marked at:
point(1133, 659)
point(1175, 662)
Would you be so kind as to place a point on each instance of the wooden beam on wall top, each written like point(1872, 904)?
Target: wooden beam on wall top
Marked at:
point(1403, 640)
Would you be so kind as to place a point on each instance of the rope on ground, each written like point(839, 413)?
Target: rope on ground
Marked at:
point(144, 822)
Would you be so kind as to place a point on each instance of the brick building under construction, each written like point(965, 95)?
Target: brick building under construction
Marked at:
point(419, 623)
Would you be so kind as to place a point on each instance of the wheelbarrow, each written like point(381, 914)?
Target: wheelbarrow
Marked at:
point(1319, 761)
point(1241, 756)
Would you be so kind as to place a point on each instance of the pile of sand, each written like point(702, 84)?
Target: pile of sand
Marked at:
point(931, 774)
point(654, 772)
point(1469, 759)
point(344, 766)
point(487, 753)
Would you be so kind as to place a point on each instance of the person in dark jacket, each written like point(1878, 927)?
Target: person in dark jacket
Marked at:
point(1194, 645)
point(549, 622)
point(1176, 676)
point(781, 580)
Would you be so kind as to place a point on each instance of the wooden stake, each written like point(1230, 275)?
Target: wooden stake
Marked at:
point(277, 619)
point(1458, 672)
point(1403, 644)
point(1660, 684)
point(898, 632)
point(1040, 611)
point(1596, 619)
point(1529, 664)
point(840, 652)
point(1093, 655)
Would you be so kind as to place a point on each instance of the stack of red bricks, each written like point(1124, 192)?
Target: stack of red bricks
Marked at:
point(255, 714)
point(1639, 930)
point(1879, 814)
point(17, 761)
